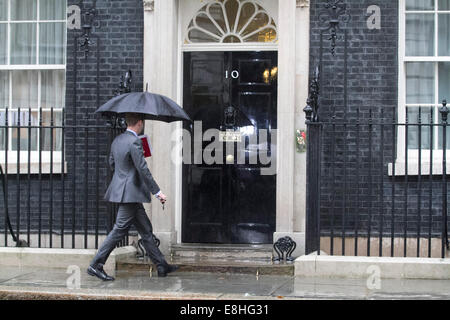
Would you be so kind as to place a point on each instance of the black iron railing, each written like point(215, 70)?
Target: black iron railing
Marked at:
point(54, 175)
point(377, 186)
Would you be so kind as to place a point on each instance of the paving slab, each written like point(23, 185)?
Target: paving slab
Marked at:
point(8, 273)
point(340, 288)
point(57, 277)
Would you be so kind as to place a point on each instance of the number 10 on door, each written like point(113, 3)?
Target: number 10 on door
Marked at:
point(234, 74)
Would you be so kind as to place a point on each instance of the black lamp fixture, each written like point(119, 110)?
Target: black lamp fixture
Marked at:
point(88, 16)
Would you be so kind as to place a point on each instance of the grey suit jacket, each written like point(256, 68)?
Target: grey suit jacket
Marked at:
point(132, 181)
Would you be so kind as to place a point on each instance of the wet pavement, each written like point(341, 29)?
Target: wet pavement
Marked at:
point(44, 283)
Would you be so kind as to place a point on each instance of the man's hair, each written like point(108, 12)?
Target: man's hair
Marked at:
point(133, 118)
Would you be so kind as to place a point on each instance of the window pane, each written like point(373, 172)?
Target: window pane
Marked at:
point(419, 35)
point(204, 22)
point(231, 8)
point(52, 88)
point(444, 81)
point(24, 137)
point(52, 43)
point(247, 11)
point(415, 115)
point(261, 20)
point(419, 82)
point(4, 89)
point(444, 5)
point(3, 43)
point(217, 14)
point(47, 133)
point(419, 4)
point(2, 130)
point(23, 43)
point(3, 10)
point(23, 10)
point(196, 35)
point(25, 89)
point(444, 34)
point(52, 9)
point(266, 35)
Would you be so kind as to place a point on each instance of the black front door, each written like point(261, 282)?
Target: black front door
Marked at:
point(232, 98)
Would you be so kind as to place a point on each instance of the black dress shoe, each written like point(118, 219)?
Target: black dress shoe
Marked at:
point(164, 270)
point(99, 273)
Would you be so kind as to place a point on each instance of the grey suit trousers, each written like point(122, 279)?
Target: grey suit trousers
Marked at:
point(127, 214)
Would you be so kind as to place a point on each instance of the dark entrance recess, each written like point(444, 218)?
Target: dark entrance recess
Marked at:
point(229, 201)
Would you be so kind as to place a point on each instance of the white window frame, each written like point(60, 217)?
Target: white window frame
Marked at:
point(35, 155)
point(413, 155)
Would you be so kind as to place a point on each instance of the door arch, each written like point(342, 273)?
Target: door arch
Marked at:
point(243, 25)
point(231, 21)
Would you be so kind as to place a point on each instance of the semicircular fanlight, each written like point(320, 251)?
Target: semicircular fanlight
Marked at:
point(231, 21)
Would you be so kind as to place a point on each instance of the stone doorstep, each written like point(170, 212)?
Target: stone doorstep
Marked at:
point(217, 258)
point(215, 251)
point(60, 258)
point(232, 266)
point(222, 247)
point(363, 267)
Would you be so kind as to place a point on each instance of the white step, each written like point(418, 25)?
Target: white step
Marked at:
point(221, 251)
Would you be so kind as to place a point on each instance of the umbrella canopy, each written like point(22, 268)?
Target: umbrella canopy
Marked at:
point(152, 105)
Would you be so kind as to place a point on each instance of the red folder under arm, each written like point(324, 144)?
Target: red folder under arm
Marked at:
point(146, 145)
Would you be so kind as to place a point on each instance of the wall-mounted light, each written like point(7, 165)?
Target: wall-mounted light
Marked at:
point(88, 16)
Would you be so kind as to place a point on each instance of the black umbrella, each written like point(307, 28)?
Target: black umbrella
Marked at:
point(153, 106)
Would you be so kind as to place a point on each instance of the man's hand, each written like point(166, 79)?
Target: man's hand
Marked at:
point(162, 197)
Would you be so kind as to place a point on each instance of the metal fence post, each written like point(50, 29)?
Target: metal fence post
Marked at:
point(314, 128)
point(444, 115)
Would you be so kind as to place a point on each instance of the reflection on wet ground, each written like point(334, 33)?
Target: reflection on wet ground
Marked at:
point(139, 284)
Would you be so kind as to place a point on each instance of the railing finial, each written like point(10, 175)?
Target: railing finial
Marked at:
point(444, 111)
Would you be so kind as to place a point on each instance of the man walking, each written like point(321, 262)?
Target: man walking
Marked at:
point(130, 186)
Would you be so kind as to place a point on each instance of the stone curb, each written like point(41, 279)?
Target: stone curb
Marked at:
point(44, 293)
point(363, 267)
point(60, 258)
